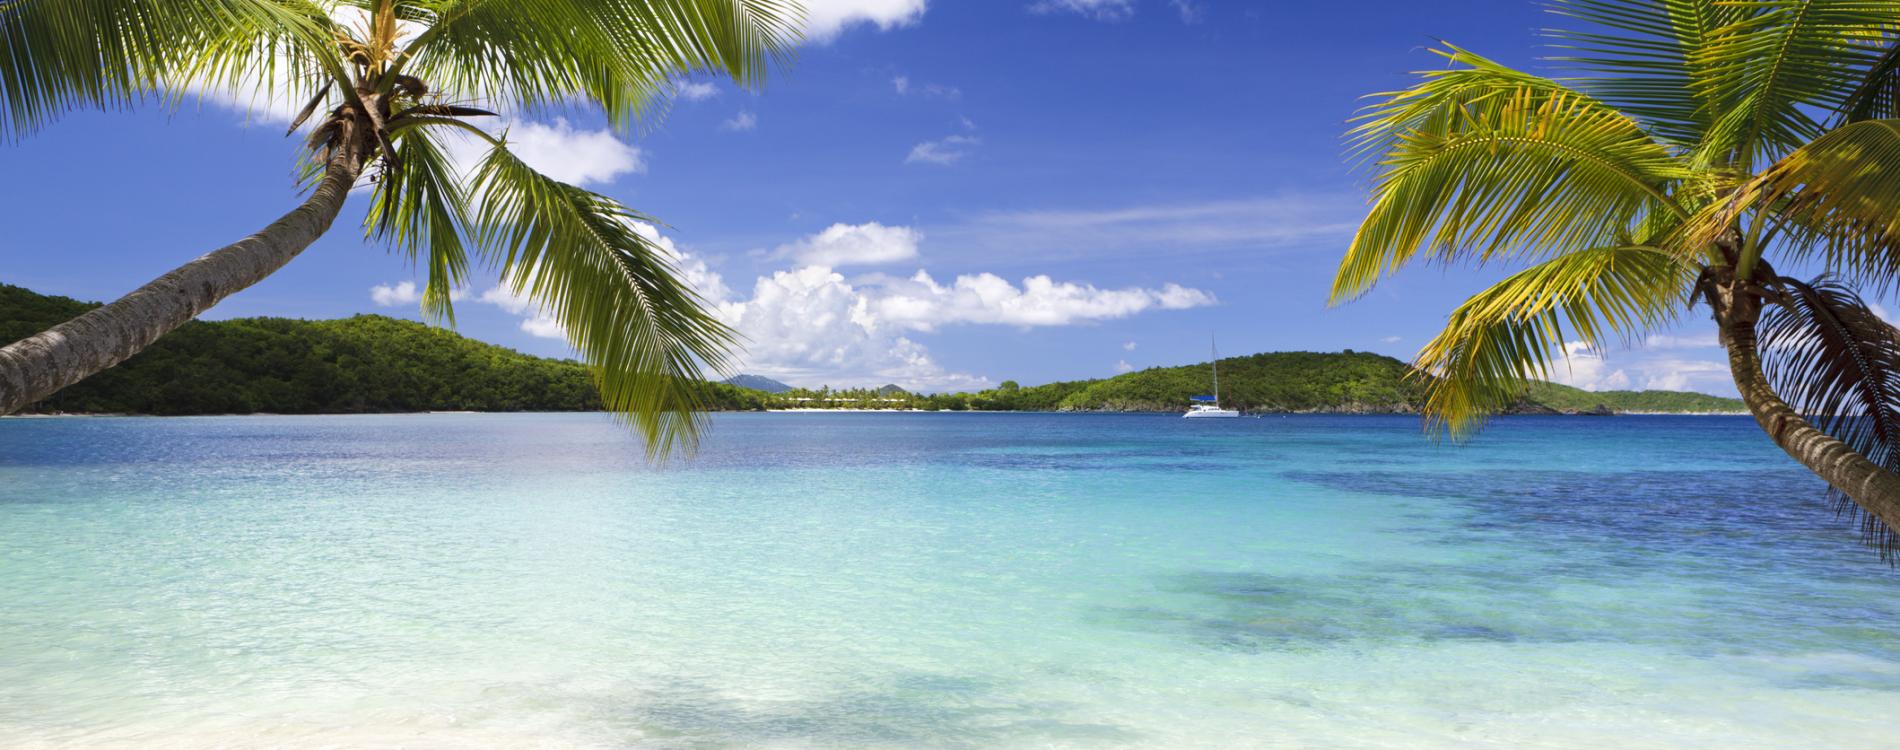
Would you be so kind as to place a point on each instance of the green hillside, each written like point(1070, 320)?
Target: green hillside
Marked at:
point(1338, 382)
point(1567, 399)
point(371, 363)
point(368, 363)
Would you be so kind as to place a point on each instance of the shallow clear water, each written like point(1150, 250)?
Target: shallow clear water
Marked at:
point(940, 580)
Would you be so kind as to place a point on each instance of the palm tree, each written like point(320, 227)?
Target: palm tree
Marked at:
point(386, 81)
point(1698, 141)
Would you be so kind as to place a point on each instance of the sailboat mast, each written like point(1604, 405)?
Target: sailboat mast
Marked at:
point(1213, 353)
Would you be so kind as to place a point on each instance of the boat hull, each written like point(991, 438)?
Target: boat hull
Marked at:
point(1211, 414)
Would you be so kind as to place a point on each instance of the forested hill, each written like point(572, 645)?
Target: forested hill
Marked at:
point(368, 363)
point(1333, 382)
point(371, 363)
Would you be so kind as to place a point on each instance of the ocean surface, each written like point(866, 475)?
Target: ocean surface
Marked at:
point(932, 581)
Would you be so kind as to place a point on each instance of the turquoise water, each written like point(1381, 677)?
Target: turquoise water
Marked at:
point(931, 580)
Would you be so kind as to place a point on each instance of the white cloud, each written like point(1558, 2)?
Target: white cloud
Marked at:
point(809, 325)
point(535, 321)
point(1584, 367)
point(581, 157)
point(1392, 339)
point(921, 303)
point(1123, 366)
point(1100, 10)
point(948, 151)
point(1191, 10)
point(826, 19)
point(403, 293)
point(1641, 369)
point(558, 149)
point(902, 84)
point(741, 122)
point(1696, 341)
point(696, 91)
point(864, 244)
point(1128, 346)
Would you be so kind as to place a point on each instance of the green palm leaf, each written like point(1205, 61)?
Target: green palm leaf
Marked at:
point(419, 208)
point(622, 55)
point(1647, 58)
point(1835, 201)
point(645, 332)
point(1482, 161)
point(66, 54)
point(1773, 69)
point(1503, 338)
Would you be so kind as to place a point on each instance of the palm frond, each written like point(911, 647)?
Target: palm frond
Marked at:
point(65, 54)
point(1878, 95)
point(1503, 338)
point(1481, 160)
point(1835, 201)
point(645, 332)
point(1838, 364)
point(1782, 62)
point(622, 55)
point(1646, 58)
point(419, 208)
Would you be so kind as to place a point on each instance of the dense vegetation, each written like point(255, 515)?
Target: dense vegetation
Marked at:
point(1353, 382)
point(1567, 399)
point(368, 363)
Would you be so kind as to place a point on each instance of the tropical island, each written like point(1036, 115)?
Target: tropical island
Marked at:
point(378, 364)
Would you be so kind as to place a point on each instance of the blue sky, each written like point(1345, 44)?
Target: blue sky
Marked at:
point(939, 194)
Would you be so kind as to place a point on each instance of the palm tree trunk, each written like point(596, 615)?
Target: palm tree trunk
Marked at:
point(1873, 488)
point(38, 366)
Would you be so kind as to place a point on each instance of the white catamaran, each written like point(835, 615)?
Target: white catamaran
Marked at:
point(1206, 407)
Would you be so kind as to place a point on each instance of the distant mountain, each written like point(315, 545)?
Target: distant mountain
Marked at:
point(368, 363)
point(892, 389)
point(757, 383)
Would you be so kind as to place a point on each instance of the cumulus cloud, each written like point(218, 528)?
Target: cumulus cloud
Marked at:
point(403, 293)
point(1190, 10)
point(1100, 10)
point(568, 154)
point(696, 91)
point(535, 321)
point(921, 303)
point(811, 324)
point(826, 19)
point(902, 84)
point(1128, 346)
point(842, 245)
point(1584, 367)
point(1643, 369)
point(741, 122)
point(945, 152)
point(1123, 366)
point(1392, 339)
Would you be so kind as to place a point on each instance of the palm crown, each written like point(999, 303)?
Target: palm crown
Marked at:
point(386, 81)
point(1698, 141)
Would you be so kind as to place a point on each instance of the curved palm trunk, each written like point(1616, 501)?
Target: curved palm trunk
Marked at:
point(1870, 486)
point(38, 366)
